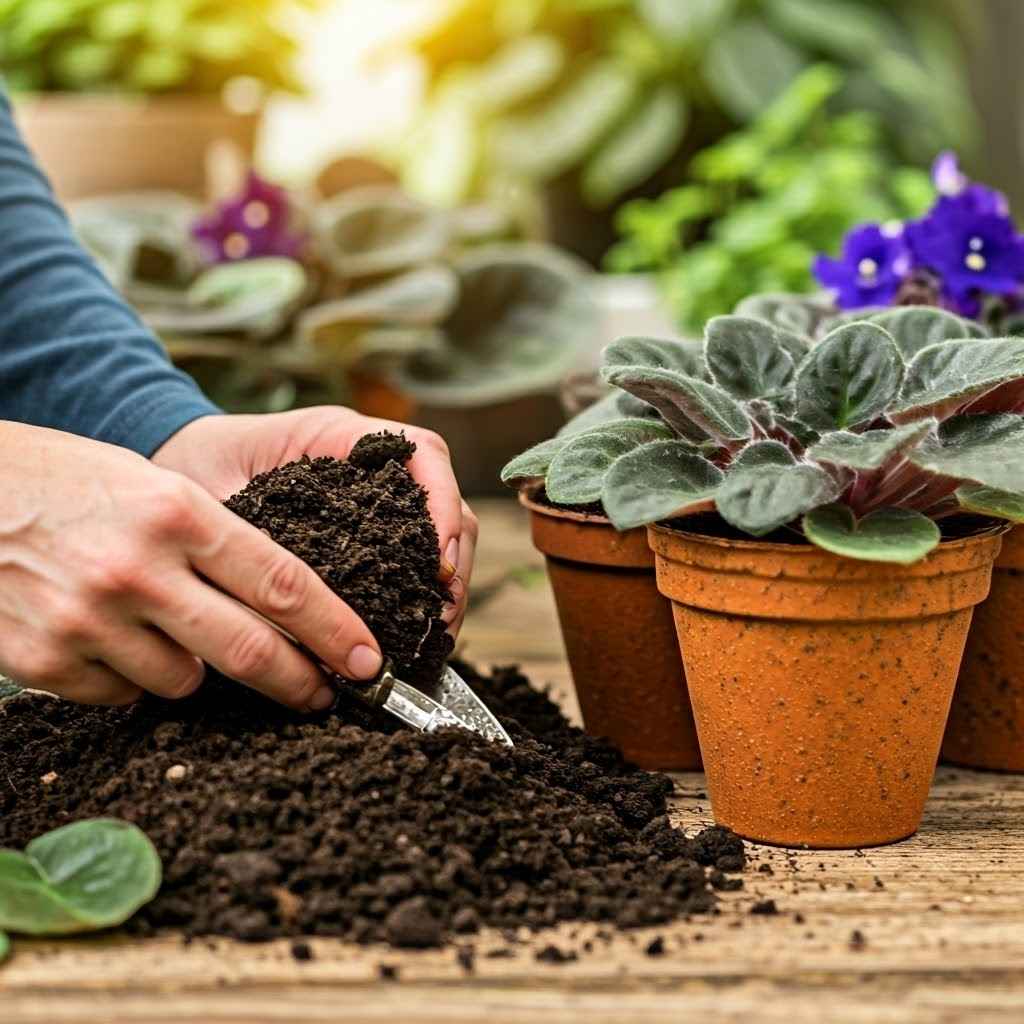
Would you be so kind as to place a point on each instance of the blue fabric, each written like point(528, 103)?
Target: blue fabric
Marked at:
point(73, 355)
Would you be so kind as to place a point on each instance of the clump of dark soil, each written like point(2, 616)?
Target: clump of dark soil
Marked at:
point(270, 823)
point(362, 524)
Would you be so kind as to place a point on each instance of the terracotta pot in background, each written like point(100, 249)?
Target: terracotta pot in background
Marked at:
point(91, 144)
point(820, 685)
point(618, 635)
point(986, 721)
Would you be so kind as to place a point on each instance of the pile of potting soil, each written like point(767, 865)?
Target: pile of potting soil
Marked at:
point(271, 823)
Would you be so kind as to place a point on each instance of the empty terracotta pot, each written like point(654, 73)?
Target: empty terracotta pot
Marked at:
point(820, 685)
point(619, 637)
point(986, 722)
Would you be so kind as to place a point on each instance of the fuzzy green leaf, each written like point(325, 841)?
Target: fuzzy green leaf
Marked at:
point(872, 449)
point(576, 473)
point(988, 501)
point(916, 327)
point(760, 498)
point(750, 358)
point(657, 481)
point(534, 461)
point(693, 408)
point(946, 377)
point(888, 535)
point(656, 353)
point(764, 453)
point(798, 314)
point(850, 378)
point(985, 449)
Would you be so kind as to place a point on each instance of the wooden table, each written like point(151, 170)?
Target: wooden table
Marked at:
point(927, 930)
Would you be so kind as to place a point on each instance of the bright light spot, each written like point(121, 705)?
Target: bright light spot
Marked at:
point(975, 261)
point(867, 267)
point(256, 214)
point(236, 246)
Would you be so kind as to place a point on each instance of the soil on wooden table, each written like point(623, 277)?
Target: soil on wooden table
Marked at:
point(271, 823)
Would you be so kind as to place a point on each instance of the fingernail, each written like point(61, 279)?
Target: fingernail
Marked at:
point(451, 554)
point(447, 570)
point(363, 662)
point(322, 699)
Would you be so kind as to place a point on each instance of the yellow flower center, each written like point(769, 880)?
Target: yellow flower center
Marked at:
point(867, 267)
point(236, 246)
point(975, 261)
point(256, 214)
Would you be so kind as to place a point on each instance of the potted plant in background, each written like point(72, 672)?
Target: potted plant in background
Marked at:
point(121, 96)
point(820, 659)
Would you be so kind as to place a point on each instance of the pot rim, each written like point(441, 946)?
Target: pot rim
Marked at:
point(527, 498)
point(752, 545)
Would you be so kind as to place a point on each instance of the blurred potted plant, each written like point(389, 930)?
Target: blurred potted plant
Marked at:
point(118, 95)
point(593, 101)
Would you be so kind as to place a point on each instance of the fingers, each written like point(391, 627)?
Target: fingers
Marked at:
point(153, 662)
point(237, 643)
point(93, 683)
point(246, 564)
point(459, 584)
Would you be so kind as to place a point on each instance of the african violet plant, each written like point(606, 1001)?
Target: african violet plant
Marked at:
point(862, 441)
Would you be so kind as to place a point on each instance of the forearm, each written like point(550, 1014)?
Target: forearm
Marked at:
point(73, 355)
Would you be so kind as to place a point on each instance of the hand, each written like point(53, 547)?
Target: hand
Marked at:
point(115, 576)
point(223, 453)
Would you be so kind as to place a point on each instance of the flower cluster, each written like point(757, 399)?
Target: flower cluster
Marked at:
point(257, 222)
point(964, 251)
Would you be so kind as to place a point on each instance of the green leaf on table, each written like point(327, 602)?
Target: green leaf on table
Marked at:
point(637, 147)
point(657, 353)
point(872, 449)
point(760, 498)
point(576, 473)
point(850, 378)
point(986, 449)
point(658, 481)
point(750, 358)
point(988, 501)
point(942, 379)
point(695, 409)
point(81, 877)
point(887, 535)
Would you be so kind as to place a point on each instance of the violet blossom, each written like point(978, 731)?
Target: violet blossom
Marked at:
point(872, 266)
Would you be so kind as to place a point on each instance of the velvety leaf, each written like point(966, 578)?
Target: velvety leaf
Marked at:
point(916, 327)
point(872, 449)
point(637, 147)
point(102, 869)
point(760, 498)
point(576, 472)
point(988, 501)
point(693, 408)
point(534, 461)
point(888, 535)
point(799, 314)
point(657, 353)
point(985, 449)
point(378, 230)
point(749, 358)
point(27, 903)
point(849, 378)
point(8, 688)
point(947, 377)
point(763, 453)
point(657, 481)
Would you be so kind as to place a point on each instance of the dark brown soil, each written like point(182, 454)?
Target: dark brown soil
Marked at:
point(343, 824)
point(287, 826)
point(362, 524)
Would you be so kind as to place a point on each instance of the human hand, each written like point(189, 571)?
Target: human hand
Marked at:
point(115, 576)
point(223, 453)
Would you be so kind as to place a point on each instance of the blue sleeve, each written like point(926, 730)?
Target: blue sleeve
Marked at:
point(73, 355)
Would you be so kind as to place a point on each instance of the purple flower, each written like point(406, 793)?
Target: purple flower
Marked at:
point(257, 222)
point(971, 246)
point(951, 182)
point(871, 268)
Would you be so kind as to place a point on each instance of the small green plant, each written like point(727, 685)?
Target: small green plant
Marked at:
point(146, 46)
point(82, 877)
point(757, 207)
point(862, 441)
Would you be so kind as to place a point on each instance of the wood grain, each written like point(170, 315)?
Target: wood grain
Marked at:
point(941, 915)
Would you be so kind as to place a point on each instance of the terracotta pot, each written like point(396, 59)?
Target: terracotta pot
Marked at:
point(619, 637)
point(820, 685)
point(92, 144)
point(986, 722)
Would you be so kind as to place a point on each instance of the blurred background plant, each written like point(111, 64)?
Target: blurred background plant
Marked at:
point(755, 208)
point(598, 98)
point(150, 46)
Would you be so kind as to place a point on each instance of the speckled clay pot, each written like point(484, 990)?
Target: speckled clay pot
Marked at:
point(986, 722)
point(820, 685)
point(619, 637)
